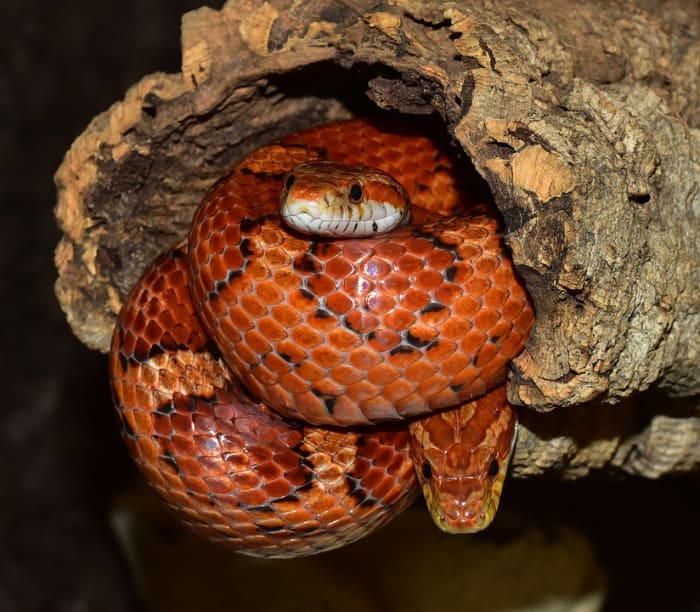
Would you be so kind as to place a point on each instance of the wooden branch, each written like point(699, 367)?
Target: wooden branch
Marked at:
point(582, 118)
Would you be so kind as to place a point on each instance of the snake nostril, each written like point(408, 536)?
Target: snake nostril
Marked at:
point(427, 470)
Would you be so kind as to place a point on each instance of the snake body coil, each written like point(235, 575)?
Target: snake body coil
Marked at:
point(329, 332)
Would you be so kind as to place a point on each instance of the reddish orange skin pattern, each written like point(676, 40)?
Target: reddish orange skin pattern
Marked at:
point(461, 457)
point(356, 331)
point(233, 470)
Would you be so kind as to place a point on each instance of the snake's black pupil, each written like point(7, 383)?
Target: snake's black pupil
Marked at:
point(427, 470)
point(289, 182)
point(493, 468)
point(355, 192)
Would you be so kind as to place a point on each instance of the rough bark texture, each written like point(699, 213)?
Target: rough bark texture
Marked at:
point(583, 118)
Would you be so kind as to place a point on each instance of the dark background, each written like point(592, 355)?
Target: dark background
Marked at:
point(61, 63)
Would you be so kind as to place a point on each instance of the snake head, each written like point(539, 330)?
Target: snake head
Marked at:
point(324, 198)
point(461, 458)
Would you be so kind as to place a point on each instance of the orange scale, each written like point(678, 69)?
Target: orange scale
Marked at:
point(379, 302)
point(389, 250)
point(383, 340)
point(362, 390)
point(252, 306)
point(478, 285)
point(439, 259)
point(469, 252)
point(263, 374)
point(455, 328)
point(312, 409)
point(486, 264)
point(339, 267)
point(500, 330)
point(360, 322)
point(503, 275)
point(246, 354)
point(409, 264)
point(324, 251)
point(488, 352)
point(433, 385)
point(257, 342)
point(272, 237)
point(414, 299)
point(257, 269)
point(472, 342)
point(271, 329)
point(327, 357)
point(455, 364)
point(383, 374)
point(467, 306)
point(321, 284)
point(285, 315)
point(290, 351)
point(302, 300)
point(364, 358)
point(411, 405)
point(420, 370)
point(396, 390)
point(339, 303)
point(310, 371)
point(486, 318)
point(276, 364)
point(395, 283)
point(269, 292)
point(326, 387)
point(376, 268)
point(512, 308)
point(322, 320)
point(306, 337)
point(404, 357)
point(345, 374)
point(428, 280)
point(343, 340)
point(496, 296)
point(286, 279)
point(419, 247)
point(277, 488)
point(448, 293)
point(525, 319)
point(357, 286)
point(356, 251)
point(206, 279)
point(378, 408)
point(399, 319)
point(232, 234)
point(440, 350)
point(476, 234)
point(511, 344)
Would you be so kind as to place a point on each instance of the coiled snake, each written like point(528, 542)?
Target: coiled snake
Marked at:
point(347, 344)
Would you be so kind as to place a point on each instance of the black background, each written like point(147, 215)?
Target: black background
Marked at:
point(61, 63)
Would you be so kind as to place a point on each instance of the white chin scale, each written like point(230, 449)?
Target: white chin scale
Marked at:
point(367, 219)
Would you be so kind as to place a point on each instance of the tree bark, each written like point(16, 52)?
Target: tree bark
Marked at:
point(583, 119)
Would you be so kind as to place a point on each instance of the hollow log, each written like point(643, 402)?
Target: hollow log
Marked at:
point(582, 118)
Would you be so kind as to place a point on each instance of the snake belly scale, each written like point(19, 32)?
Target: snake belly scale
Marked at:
point(341, 342)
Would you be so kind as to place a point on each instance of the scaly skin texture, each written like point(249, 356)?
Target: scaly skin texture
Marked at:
point(230, 468)
point(330, 332)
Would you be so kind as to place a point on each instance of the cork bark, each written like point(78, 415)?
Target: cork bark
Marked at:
point(582, 117)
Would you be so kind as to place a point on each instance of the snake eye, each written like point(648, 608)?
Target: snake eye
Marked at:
point(355, 192)
point(289, 182)
point(427, 470)
point(493, 468)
